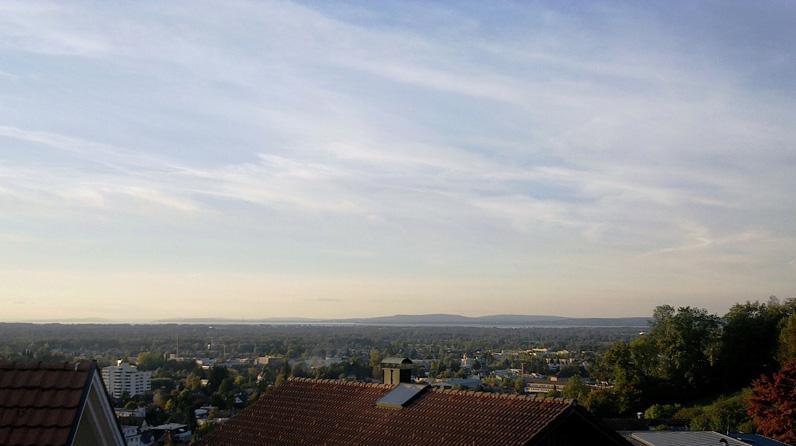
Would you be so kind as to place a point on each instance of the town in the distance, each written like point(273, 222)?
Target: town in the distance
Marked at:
point(683, 371)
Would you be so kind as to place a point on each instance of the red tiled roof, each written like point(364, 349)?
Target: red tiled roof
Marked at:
point(39, 403)
point(326, 412)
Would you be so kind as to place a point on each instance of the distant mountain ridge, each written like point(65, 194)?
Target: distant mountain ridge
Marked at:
point(499, 320)
point(447, 319)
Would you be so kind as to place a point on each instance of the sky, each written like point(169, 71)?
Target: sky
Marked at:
point(331, 159)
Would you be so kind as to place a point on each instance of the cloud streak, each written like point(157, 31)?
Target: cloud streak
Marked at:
point(548, 141)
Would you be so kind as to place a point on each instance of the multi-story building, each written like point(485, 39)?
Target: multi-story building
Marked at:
point(271, 361)
point(125, 378)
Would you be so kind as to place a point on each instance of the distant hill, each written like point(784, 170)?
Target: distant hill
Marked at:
point(500, 320)
point(497, 320)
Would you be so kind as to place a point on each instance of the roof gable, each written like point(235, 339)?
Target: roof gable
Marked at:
point(41, 404)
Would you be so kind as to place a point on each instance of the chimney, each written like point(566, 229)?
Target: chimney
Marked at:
point(397, 370)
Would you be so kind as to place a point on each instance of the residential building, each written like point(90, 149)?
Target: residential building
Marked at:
point(541, 386)
point(132, 435)
point(139, 413)
point(681, 438)
point(206, 363)
point(335, 413)
point(473, 382)
point(59, 404)
point(125, 378)
point(172, 432)
point(466, 362)
point(755, 439)
point(271, 361)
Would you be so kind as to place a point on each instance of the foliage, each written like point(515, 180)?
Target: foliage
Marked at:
point(149, 360)
point(627, 362)
point(749, 341)
point(519, 386)
point(772, 404)
point(166, 384)
point(193, 382)
point(661, 411)
point(690, 354)
point(787, 339)
point(576, 389)
point(601, 402)
point(108, 343)
point(686, 342)
point(217, 375)
point(727, 413)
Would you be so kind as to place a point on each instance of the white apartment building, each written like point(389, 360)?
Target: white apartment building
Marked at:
point(124, 377)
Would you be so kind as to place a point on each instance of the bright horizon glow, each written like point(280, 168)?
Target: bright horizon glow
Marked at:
point(251, 160)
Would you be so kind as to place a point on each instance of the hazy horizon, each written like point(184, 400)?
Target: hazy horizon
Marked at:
point(328, 160)
point(351, 317)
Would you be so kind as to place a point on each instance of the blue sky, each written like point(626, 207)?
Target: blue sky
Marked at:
point(259, 159)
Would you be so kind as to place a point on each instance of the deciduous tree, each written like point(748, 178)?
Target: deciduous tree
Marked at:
point(749, 341)
point(787, 339)
point(576, 389)
point(149, 360)
point(773, 404)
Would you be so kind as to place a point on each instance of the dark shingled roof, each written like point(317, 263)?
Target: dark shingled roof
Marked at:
point(327, 412)
point(40, 403)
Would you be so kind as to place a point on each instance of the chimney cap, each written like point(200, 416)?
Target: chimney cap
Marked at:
point(396, 362)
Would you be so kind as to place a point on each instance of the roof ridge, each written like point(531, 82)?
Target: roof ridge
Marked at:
point(338, 381)
point(543, 399)
point(67, 366)
point(473, 393)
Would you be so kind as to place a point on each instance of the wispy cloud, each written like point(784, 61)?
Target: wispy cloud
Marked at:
point(447, 141)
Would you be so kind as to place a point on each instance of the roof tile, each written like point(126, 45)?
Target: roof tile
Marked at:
point(304, 411)
point(39, 402)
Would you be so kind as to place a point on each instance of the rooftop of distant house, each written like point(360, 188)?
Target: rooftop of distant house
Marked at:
point(696, 438)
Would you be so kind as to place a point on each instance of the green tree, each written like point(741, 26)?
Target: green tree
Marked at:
point(686, 341)
point(674, 361)
point(149, 360)
point(375, 358)
point(725, 413)
point(628, 376)
point(661, 411)
point(602, 403)
point(787, 339)
point(576, 389)
point(217, 375)
point(519, 386)
point(749, 341)
point(160, 399)
point(226, 386)
point(729, 413)
point(193, 381)
point(297, 369)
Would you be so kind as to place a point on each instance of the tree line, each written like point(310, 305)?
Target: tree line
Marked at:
point(740, 363)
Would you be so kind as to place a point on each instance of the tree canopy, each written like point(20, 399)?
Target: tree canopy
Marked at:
point(773, 404)
point(689, 353)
